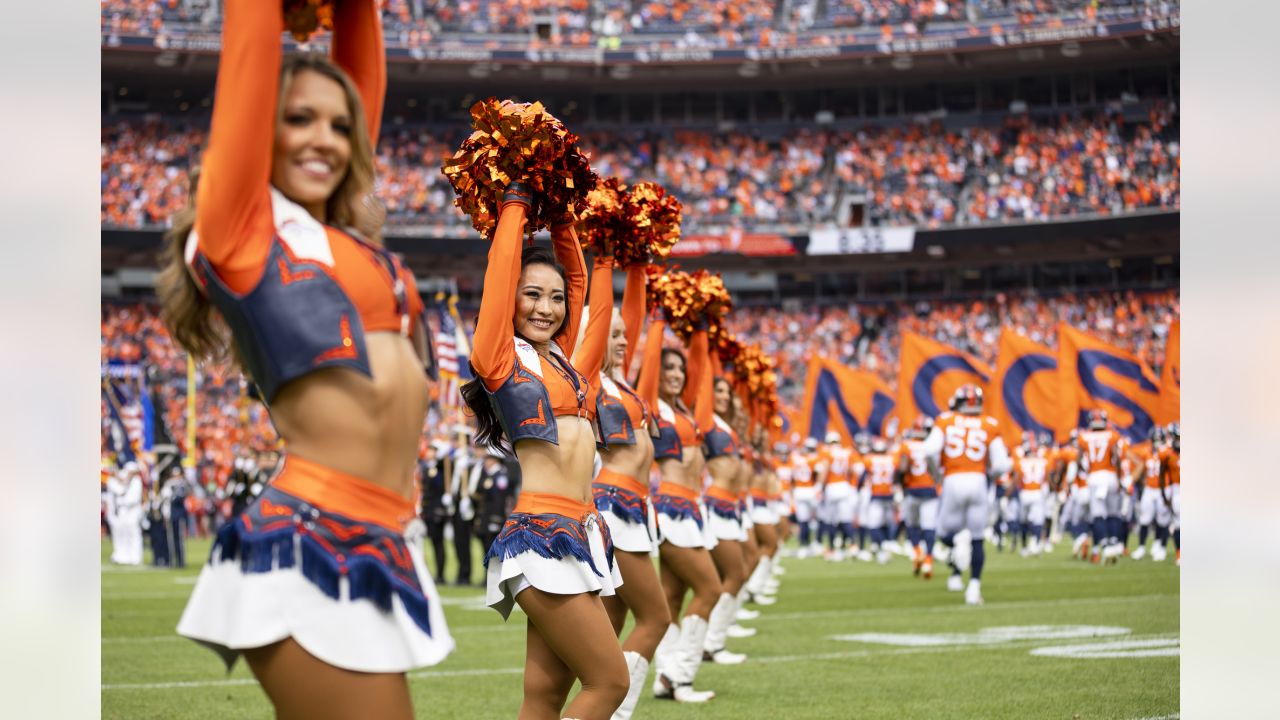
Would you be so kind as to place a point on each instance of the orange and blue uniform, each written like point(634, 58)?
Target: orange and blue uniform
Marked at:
point(300, 296)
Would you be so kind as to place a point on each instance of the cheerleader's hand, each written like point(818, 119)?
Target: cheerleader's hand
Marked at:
point(518, 192)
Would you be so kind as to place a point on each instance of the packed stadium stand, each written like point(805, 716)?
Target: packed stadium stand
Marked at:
point(856, 168)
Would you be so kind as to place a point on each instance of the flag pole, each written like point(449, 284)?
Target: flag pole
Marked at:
point(189, 461)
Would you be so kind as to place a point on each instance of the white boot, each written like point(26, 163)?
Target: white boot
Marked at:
point(737, 631)
point(639, 669)
point(759, 576)
point(664, 660)
point(693, 637)
point(717, 629)
point(775, 568)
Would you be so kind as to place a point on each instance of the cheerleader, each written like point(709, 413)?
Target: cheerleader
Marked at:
point(724, 453)
point(621, 489)
point(763, 491)
point(553, 556)
point(315, 582)
point(685, 562)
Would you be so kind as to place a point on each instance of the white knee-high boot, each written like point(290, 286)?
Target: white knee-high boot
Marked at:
point(722, 616)
point(639, 669)
point(693, 635)
point(663, 659)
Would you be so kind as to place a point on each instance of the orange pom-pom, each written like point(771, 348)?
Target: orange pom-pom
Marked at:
point(640, 223)
point(303, 18)
point(519, 142)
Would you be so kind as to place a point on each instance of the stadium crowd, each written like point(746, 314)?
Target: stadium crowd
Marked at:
point(864, 336)
point(918, 174)
point(695, 23)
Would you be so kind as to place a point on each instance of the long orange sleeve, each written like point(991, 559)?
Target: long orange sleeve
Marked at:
point(697, 352)
point(633, 302)
point(233, 200)
point(651, 365)
point(564, 241)
point(492, 353)
point(705, 401)
point(595, 340)
point(358, 49)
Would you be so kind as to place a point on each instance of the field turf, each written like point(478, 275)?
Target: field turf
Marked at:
point(797, 668)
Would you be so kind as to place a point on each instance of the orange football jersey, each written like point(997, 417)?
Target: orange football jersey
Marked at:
point(967, 442)
point(917, 475)
point(1101, 449)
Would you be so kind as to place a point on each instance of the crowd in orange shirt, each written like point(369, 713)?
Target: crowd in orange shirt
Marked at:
point(864, 336)
point(922, 175)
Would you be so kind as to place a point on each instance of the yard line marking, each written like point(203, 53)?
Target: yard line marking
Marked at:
point(766, 615)
point(1174, 716)
point(428, 674)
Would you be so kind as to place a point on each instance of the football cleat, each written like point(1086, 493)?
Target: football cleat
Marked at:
point(926, 569)
point(955, 583)
point(973, 593)
point(1139, 553)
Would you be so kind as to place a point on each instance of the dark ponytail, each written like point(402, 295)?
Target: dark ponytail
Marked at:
point(489, 430)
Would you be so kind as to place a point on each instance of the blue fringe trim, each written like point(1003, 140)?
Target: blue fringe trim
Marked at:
point(625, 504)
point(725, 509)
point(521, 535)
point(367, 577)
point(677, 508)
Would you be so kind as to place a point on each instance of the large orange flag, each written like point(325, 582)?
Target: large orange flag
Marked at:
point(1097, 374)
point(1024, 393)
point(1171, 377)
point(929, 373)
point(841, 399)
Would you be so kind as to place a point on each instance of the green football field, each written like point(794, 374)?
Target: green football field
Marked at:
point(1057, 638)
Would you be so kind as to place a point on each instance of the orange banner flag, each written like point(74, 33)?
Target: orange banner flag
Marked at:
point(842, 399)
point(929, 373)
point(1096, 374)
point(1171, 377)
point(1024, 394)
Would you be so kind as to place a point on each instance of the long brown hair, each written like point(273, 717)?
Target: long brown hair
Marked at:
point(186, 311)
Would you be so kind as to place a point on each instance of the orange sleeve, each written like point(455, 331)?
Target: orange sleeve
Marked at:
point(633, 303)
point(651, 365)
point(564, 240)
point(233, 200)
point(492, 354)
point(358, 49)
point(701, 381)
point(697, 352)
point(595, 340)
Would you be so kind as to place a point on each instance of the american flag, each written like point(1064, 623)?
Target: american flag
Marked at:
point(452, 351)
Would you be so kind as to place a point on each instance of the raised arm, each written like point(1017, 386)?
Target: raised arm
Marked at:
point(358, 49)
point(595, 339)
point(492, 352)
point(564, 240)
point(704, 407)
point(697, 350)
point(651, 365)
point(233, 200)
point(633, 303)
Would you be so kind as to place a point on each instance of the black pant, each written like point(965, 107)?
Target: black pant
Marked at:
point(178, 540)
point(462, 547)
point(159, 534)
point(435, 532)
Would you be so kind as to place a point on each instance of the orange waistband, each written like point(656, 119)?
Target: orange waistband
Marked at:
point(834, 480)
point(721, 494)
point(622, 480)
point(667, 488)
point(535, 503)
point(759, 494)
point(344, 494)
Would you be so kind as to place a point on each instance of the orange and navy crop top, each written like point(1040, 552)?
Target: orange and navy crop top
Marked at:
point(298, 295)
point(721, 440)
point(667, 444)
point(619, 410)
point(528, 390)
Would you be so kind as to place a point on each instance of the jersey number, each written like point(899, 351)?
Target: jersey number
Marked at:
point(970, 442)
